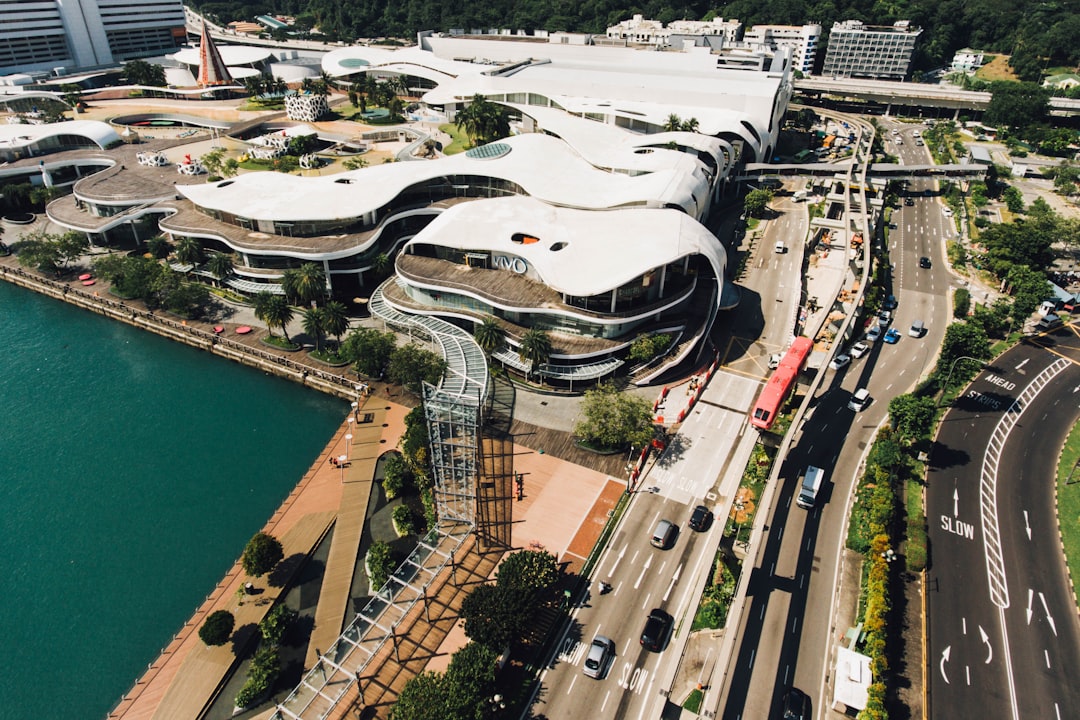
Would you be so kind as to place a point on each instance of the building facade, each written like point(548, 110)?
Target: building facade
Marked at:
point(637, 30)
point(42, 35)
point(802, 39)
point(866, 51)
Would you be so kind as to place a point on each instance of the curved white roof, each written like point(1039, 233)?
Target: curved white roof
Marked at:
point(22, 135)
point(230, 55)
point(599, 250)
point(544, 166)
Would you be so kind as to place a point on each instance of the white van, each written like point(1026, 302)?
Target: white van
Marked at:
point(859, 400)
point(799, 196)
point(811, 484)
point(917, 329)
point(780, 247)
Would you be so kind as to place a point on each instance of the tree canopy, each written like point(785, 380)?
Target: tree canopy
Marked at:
point(611, 419)
point(261, 554)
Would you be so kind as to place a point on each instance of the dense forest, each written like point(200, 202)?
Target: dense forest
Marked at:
point(1039, 34)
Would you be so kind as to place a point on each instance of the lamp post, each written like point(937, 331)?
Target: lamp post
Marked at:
point(945, 387)
point(355, 410)
point(348, 447)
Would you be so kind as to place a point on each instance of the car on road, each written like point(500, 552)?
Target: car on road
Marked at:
point(890, 303)
point(774, 361)
point(601, 653)
point(924, 262)
point(657, 627)
point(796, 705)
point(909, 201)
point(892, 336)
point(664, 534)
point(840, 361)
point(884, 318)
point(859, 349)
point(780, 248)
point(947, 211)
point(874, 334)
point(917, 329)
point(919, 142)
point(701, 518)
point(859, 400)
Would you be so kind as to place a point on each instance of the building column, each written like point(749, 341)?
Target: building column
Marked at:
point(614, 296)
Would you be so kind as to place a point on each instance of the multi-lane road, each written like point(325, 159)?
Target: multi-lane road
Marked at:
point(1004, 639)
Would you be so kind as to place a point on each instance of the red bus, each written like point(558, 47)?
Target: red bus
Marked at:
point(780, 385)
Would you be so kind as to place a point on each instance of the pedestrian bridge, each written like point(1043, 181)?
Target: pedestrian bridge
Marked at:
point(889, 171)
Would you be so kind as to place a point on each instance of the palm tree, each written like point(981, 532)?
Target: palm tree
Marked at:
point(690, 125)
point(335, 319)
point(673, 123)
point(220, 265)
point(278, 313)
point(310, 282)
point(489, 335)
point(314, 324)
point(158, 247)
point(483, 121)
point(535, 349)
point(260, 303)
point(380, 265)
point(189, 250)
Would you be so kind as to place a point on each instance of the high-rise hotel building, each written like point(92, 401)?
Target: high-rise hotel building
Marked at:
point(46, 34)
point(867, 51)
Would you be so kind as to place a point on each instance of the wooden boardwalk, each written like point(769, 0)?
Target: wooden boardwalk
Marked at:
point(331, 611)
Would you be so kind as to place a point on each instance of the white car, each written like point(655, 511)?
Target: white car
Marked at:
point(947, 211)
point(874, 334)
point(859, 349)
point(840, 361)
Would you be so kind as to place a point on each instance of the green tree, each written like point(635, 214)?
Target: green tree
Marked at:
point(961, 303)
point(381, 265)
point(369, 350)
point(1028, 287)
point(689, 125)
point(963, 339)
point(186, 299)
point(469, 682)
point(314, 323)
point(261, 554)
point(213, 161)
point(189, 251)
point(536, 571)
point(912, 415)
point(496, 616)
point(411, 366)
point(308, 283)
point(673, 123)
point(397, 476)
point(279, 313)
point(757, 202)
point(1013, 200)
point(335, 319)
point(217, 628)
point(647, 346)
point(489, 335)
point(260, 304)
point(380, 563)
point(140, 72)
point(535, 349)
point(1017, 105)
point(483, 121)
point(158, 247)
point(220, 265)
point(611, 419)
point(276, 623)
point(424, 697)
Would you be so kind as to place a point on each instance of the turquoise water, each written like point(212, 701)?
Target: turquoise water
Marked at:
point(132, 472)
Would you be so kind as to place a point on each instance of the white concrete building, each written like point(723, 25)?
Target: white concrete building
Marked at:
point(38, 35)
point(640, 31)
point(858, 50)
point(802, 39)
point(967, 60)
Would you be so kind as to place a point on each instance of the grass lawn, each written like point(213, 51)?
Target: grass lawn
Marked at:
point(460, 141)
point(915, 551)
point(997, 69)
point(1068, 502)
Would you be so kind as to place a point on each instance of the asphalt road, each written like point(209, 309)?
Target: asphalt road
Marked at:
point(1004, 638)
point(786, 638)
point(642, 577)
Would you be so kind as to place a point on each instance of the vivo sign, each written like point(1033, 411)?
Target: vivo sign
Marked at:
point(513, 264)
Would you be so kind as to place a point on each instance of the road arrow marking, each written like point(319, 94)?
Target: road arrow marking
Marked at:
point(989, 648)
point(1031, 595)
point(611, 571)
point(945, 659)
point(1027, 525)
point(956, 502)
point(1049, 617)
point(1023, 363)
point(642, 575)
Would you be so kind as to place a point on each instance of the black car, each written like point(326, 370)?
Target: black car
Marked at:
point(796, 705)
point(908, 201)
point(701, 518)
point(657, 627)
point(924, 262)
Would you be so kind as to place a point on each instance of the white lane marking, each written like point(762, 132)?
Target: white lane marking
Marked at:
point(944, 659)
point(611, 570)
point(1046, 654)
point(1027, 525)
point(573, 680)
point(644, 568)
point(1049, 617)
point(989, 648)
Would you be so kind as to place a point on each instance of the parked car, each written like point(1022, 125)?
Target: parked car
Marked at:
point(859, 349)
point(874, 334)
point(657, 627)
point(884, 318)
point(909, 201)
point(892, 336)
point(701, 518)
point(601, 653)
point(924, 262)
point(840, 361)
point(890, 303)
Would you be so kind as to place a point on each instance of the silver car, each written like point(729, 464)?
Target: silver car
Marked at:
point(601, 652)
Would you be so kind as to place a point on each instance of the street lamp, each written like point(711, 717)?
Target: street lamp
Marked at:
point(945, 387)
point(355, 410)
point(348, 447)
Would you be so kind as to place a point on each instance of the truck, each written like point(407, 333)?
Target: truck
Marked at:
point(811, 484)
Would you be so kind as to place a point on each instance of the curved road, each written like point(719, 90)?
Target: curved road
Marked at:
point(1004, 637)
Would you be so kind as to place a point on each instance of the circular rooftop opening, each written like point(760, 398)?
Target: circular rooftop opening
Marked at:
point(488, 152)
point(556, 247)
point(353, 63)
